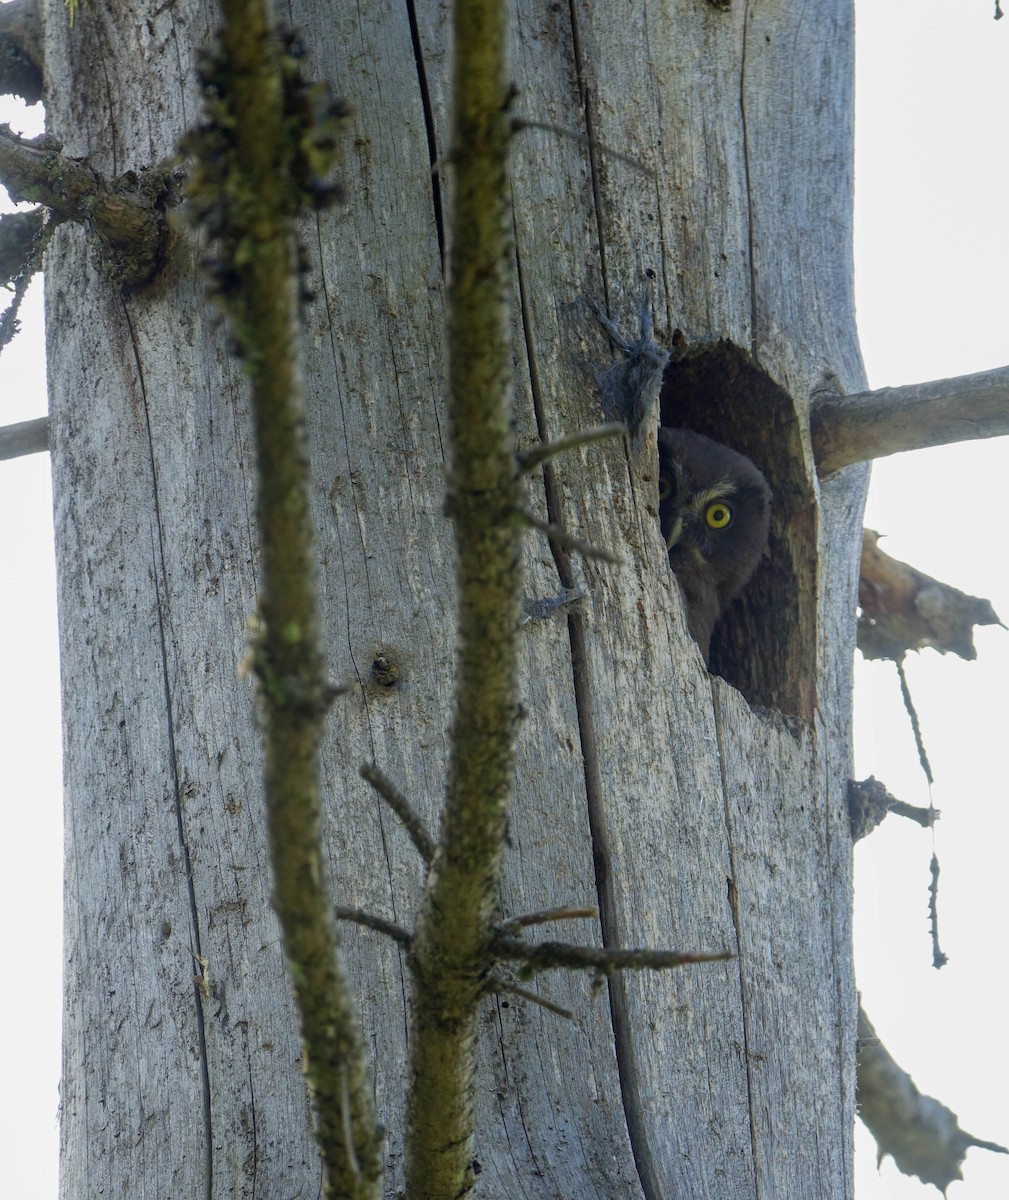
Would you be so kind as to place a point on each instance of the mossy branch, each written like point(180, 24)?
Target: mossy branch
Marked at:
point(451, 941)
point(126, 214)
point(251, 177)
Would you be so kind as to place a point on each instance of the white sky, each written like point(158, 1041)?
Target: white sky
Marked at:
point(932, 277)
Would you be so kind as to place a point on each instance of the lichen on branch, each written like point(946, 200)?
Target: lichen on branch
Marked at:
point(450, 948)
point(261, 154)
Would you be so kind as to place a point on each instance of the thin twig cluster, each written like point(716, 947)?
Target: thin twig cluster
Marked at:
point(502, 943)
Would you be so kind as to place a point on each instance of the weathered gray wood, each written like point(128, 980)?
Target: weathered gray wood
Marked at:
point(851, 429)
point(695, 821)
point(24, 437)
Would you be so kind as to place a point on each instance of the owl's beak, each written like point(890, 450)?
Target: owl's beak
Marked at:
point(675, 532)
point(694, 535)
point(688, 536)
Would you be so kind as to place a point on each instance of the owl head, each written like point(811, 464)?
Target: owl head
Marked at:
point(714, 510)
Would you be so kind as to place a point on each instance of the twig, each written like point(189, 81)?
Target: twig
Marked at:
point(912, 713)
point(568, 541)
point(495, 984)
point(583, 139)
point(530, 459)
point(543, 607)
point(359, 917)
point(867, 425)
point(925, 817)
point(411, 821)
point(548, 914)
point(548, 955)
point(26, 437)
point(939, 959)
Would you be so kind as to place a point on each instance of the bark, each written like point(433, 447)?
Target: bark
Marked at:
point(697, 816)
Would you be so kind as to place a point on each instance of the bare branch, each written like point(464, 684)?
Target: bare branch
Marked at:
point(359, 917)
point(925, 817)
point(869, 802)
point(548, 955)
point(494, 984)
point(399, 804)
point(568, 541)
point(530, 459)
point(25, 437)
point(548, 914)
point(850, 429)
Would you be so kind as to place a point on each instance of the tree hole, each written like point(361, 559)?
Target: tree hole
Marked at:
point(764, 644)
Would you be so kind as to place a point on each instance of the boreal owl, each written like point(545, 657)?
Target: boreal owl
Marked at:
point(714, 509)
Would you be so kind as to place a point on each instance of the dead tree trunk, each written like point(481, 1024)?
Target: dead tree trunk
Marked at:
point(699, 156)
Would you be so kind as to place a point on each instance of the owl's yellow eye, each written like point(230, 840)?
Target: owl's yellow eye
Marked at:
point(718, 515)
